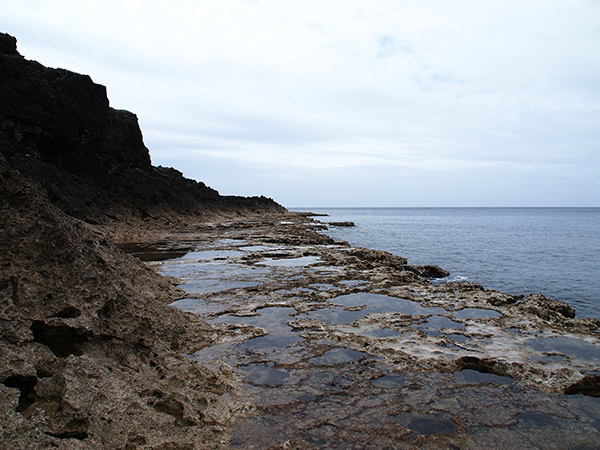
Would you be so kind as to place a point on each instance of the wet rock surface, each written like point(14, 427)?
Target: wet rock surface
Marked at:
point(338, 347)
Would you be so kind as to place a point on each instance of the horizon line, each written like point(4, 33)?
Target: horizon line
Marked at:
point(441, 207)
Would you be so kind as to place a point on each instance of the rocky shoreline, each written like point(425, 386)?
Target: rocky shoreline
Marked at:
point(140, 309)
point(90, 354)
point(342, 347)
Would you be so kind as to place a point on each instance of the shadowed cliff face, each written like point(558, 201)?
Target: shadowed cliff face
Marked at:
point(90, 355)
point(65, 118)
point(57, 128)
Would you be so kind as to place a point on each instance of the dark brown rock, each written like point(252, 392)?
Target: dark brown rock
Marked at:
point(428, 271)
point(588, 385)
point(545, 308)
point(341, 224)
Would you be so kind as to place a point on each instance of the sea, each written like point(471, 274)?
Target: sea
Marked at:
point(551, 251)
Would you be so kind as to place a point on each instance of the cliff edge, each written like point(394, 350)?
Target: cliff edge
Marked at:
point(91, 356)
point(57, 128)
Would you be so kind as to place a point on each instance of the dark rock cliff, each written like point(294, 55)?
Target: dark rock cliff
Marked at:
point(91, 356)
point(57, 128)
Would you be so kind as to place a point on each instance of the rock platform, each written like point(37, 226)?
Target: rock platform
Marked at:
point(341, 347)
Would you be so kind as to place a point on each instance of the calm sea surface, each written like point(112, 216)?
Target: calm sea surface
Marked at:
point(552, 251)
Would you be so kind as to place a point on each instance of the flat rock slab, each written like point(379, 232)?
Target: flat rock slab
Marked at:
point(338, 347)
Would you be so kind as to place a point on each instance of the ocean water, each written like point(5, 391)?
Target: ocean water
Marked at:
point(552, 251)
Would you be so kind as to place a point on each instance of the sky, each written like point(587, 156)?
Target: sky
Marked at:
point(347, 102)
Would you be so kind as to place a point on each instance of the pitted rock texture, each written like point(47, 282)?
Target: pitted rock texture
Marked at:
point(90, 353)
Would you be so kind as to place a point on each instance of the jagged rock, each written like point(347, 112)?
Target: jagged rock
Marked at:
point(428, 271)
point(341, 224)
point(8, 45)
point(85, 333)
point(375, 258)
point(500, 299)
point(455, 286)
point(545, 308)
point(588, 385)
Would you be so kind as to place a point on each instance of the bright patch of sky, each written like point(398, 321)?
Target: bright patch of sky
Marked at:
point(347, 102)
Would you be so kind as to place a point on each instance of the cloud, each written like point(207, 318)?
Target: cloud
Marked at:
point(389, 47)
point(345, 87)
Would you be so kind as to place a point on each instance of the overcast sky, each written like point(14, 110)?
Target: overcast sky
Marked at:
point(347, 102)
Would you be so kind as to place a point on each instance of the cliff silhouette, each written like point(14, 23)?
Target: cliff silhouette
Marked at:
point(58, 129)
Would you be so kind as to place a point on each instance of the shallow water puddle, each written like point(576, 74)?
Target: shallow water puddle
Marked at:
point(216, 285)
point(271, 341)
point(193, 270)
point(378, 303)
point(547, 359)
point(470, 376)
point(529, 420)
point(427, 425)
point(279, 345)
point(318, 390)
point(389, 381)
point(457, 337)
point(202, 277)
point(568, 346)
point(204, 255)
point(383, 333)
point(290, 262)
point(346, 309)
point(338, 355)
point(333, 316)
point(440, 323)
point(476, 313)
point(273, 318)
point(264, 374)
